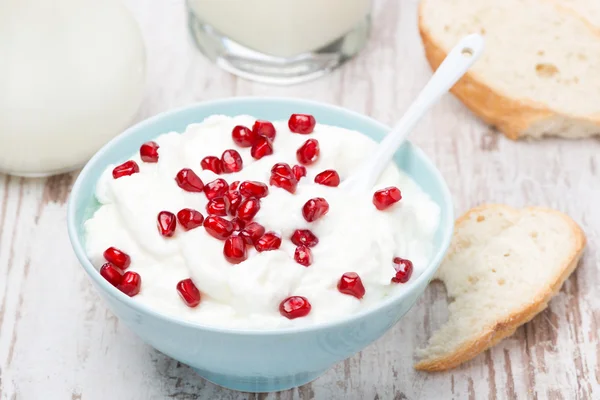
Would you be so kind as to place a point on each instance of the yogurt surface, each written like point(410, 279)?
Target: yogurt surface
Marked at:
point(353, 236)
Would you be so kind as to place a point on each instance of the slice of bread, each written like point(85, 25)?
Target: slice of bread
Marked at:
point(502, 268)
point(538, 74)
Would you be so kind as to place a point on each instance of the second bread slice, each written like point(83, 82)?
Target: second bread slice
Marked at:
point(502, 268)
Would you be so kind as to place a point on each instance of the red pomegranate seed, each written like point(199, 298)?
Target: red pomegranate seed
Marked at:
point(216, 188)
point(117, 257)
point(149, 152)
point(252, 232)
point(301, 123)
point(315, 208)
point(127, 168)
point(243, 136)
point(234, 250)
point(218, 227)
point(404, 269)
point(238, 224)
point(386, 197)
point(254, 189)
point(217, 206)
point(248, 208)
point(232, 161)
point(308, 152)
point(299, 171)
point(282, 169)
point(189, 181)
point(131, 283)
point(328, 177)
point(264, 128)
point(189, 218)
point(111, 273)
point(304, 237)
point(262, 147)
point(234, 198)
point(213, 164)
point(166, 223)
point(294, 307)
point(282, 176)
point(303, 256)
point(234, 185)
point(189, 293)
point(350, 283)
point(268, 241)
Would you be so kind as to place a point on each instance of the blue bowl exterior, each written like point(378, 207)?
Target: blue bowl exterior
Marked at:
point(256, 361)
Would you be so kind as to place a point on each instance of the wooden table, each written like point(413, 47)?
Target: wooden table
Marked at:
point(58, 341)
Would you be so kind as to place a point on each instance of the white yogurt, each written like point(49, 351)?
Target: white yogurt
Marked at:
point(353, 237)
point(282, 28)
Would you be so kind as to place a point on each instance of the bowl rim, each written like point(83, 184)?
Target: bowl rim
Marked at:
point(94, 274)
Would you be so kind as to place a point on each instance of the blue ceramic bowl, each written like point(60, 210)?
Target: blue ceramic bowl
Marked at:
point(256, 361)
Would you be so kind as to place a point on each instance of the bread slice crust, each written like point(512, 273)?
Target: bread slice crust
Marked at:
point(514, 117)
point(495, 332)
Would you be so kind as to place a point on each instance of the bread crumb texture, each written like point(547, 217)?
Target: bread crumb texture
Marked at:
point(538, 74)
point(502, 268)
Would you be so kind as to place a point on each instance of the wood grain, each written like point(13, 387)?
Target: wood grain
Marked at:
point(58, 341)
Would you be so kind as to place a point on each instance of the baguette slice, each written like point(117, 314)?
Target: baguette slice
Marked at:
point(502, 268)
point(539, 73)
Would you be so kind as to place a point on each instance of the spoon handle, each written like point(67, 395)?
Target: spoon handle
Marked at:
point(454, 66)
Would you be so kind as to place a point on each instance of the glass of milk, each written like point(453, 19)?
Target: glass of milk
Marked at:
point(279, 41)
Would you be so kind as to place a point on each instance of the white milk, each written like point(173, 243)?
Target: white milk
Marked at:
point(282, 28)
point(71, 77)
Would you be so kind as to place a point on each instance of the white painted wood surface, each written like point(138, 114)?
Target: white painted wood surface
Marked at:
point(58, 341)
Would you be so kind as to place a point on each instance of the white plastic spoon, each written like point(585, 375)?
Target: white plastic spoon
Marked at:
point(448, 73)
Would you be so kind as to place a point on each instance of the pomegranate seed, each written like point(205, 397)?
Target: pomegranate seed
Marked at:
point(386, 197)
point(189, 218)
point(301, 123)
point(111, 273)
point(131, 283)
point(189, 181)
point(262, 147)
point(264, 128)
point(252, 232)
point(166, 223)
point(350, 283)
point(404, 269)
point(216, 188)
point(308, 152)
point(213, 164)
point(299, 171)
point(234, 185)
point(117, 257)
point(303, 256)
point(188, 292)
point(282, 176)
point(243, 136)
point(149, 152)
point(127, 168)
point(254, 189)
point(234, 250)
point(268, 241)
point(232, 161)
point(217, 206)
point(294, 307)
point(315, 208)
point(282, 169)
point(328, 177)
point(218, 227)
point(238, 224)
point(248, 208)
point(234, 198)
point(304, 237)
